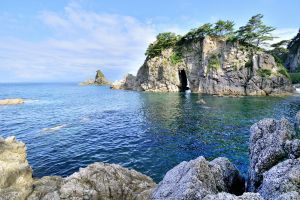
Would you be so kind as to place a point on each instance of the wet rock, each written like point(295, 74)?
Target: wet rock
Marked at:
point(15, 172)
point(282, 181)
point(267, 147)
point(198, 178)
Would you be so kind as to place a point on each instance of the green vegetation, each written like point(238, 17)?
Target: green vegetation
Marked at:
point(255, 32)
point(295, 77)
point(214, 62)
point(264, 72)
point(176, 57)
point(282, 70)
point(163, 41)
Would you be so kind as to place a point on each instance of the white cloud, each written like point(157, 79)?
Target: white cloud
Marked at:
point(80, 42)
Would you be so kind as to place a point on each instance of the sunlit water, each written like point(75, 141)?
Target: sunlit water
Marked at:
point(66, 126)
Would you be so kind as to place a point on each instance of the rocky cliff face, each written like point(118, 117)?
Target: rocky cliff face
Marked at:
point(213, 66)
point(293, 59)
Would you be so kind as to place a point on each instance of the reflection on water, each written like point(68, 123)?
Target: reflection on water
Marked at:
point(150, 132)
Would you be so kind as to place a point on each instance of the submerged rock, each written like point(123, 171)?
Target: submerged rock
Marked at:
point(11, 101)
point(198, 178)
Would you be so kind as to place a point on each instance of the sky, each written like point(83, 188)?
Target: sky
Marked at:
point(68, 40)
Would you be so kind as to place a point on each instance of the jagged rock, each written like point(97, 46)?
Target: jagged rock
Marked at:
point(128, 83)
point(100, 78)
point(267, 147)
point(293, 59)
point(227, 196)
point(108, 181)
point(15, 172)
point(11, 101)
point(239, 71)
point(198, 178)
point(282, 181)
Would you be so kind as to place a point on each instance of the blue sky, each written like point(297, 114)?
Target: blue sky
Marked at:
point(67, 41)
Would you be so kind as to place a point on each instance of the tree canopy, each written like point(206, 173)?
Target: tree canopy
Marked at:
point(255, 32)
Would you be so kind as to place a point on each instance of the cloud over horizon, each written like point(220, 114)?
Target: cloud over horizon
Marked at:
point(71, 44)
point(80, 43)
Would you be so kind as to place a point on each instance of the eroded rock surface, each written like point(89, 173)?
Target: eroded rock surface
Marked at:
point(274, 160)
point(198, 178)
point(236, 70)
point(15, 172)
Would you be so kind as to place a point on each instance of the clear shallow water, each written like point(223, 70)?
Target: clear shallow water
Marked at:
point(66, 126)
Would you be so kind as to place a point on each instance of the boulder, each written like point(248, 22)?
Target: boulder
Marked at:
point(282, 181)
point(198, 178)
point(227, 196)
point(267, 148)
point(15, 172)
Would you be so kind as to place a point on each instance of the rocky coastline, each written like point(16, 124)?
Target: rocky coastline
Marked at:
point(274, 173)
point(211, 65)
point(100, 79)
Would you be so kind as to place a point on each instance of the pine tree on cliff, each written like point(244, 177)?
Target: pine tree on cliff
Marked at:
point(255, 32)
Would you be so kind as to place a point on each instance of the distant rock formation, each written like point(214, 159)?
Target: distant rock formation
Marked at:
point(213, 66)
point(11, 101)
point(274, 174)
point(99, 80)
point(293, 59)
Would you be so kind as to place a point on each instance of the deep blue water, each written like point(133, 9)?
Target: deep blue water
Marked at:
point(149, 132)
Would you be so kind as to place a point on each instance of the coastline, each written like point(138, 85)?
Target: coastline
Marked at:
point(274, 157)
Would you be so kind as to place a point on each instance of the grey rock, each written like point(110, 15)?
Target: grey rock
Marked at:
point(227, 196)
point(238, 73)
point(297, 121)
point(293, 59)
point(282, 181)
point(198, 178)
point(108, 181)
point(267, 147)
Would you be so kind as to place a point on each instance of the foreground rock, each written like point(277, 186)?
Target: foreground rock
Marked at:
point(199, 178)
point(15, 172)
point(96, 181)
point(274, 159)
point(213, 66)
point(11, 101)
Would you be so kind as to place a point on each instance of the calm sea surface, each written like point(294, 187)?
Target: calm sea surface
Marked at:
point(66, 126)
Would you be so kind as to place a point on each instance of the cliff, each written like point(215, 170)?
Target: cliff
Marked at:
point(212, 65)
point(293, 59)
point(274, 174)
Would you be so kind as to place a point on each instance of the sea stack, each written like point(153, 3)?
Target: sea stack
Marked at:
point(99, 80)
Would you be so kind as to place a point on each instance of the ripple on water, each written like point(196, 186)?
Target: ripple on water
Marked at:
point(148, 132)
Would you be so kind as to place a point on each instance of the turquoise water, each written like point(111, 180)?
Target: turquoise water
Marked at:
point(66, 126)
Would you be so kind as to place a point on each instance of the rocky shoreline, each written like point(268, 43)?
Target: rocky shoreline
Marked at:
point(274, 173)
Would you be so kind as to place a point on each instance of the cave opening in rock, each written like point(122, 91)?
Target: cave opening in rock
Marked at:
point(183, 81)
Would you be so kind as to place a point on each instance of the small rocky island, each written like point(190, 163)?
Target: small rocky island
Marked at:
point(99, 80)
point(207, 60)
point(274, 174)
